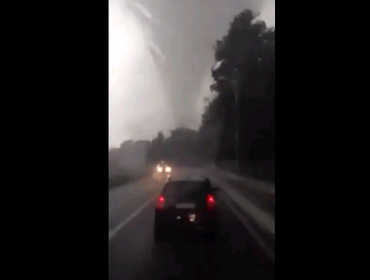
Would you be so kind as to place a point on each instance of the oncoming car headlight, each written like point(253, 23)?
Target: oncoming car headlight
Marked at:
point(168, 169)
point(159, 169)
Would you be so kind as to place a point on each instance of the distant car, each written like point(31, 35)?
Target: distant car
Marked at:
point(186, 205)
point(163, 168)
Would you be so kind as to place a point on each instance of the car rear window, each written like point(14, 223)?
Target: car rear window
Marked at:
point(183, 188)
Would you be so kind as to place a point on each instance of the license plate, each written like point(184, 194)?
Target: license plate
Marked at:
point(185, 205)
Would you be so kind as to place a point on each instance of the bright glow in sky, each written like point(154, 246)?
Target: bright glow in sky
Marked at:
point(268, 13)
point(136, 101)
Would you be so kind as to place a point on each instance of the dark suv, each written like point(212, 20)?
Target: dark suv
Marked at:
point(186, 205)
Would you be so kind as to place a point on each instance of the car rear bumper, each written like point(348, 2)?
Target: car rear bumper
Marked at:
point(184, 226)
point(182, 222)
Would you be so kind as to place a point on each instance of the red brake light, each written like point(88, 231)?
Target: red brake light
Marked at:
point(161, 201)
point(210, 200)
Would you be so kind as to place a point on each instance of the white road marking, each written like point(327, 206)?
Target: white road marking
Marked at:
point(113, 232)
point(249, 227)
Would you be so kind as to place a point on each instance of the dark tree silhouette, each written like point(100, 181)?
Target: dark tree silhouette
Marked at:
point(245, 87)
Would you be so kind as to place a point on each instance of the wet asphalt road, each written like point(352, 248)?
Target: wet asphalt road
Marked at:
point(133, 254)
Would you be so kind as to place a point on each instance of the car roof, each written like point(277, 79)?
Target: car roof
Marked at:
point(186, 181)
point(205, 181)
point(189, 177)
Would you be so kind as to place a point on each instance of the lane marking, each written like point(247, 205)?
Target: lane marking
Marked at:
point(113, 232)
point(248, 226)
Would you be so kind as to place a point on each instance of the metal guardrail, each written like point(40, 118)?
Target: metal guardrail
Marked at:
point(259, 223)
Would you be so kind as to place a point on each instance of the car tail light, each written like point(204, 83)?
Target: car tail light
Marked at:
point(161, 201)
point(210, 201)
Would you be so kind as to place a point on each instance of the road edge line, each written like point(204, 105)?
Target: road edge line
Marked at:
point(249, 227)
point(113, 232)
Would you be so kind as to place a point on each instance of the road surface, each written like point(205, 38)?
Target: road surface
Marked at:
point(133, 255)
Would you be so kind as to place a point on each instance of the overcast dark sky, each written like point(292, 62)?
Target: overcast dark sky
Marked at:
point(160, 56)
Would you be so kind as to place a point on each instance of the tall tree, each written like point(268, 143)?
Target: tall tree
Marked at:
point(245, 84)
